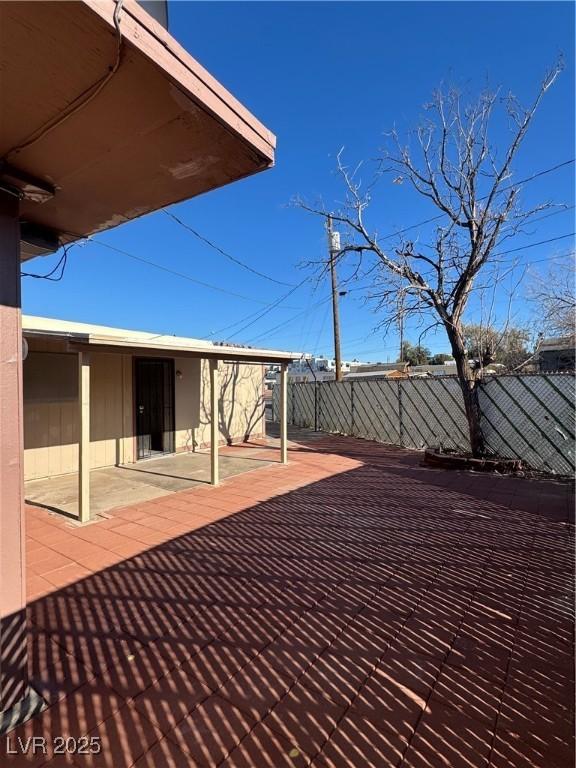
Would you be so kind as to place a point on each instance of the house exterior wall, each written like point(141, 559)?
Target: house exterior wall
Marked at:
point(187, 402)
point(241, 411)
point(51, 423)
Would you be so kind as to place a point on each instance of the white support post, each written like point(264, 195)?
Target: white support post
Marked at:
point(84, 437)
point(284, 414)
point(214, 429)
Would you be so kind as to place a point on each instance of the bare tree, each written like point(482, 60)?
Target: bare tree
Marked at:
point(451, 162)
point(555, 298)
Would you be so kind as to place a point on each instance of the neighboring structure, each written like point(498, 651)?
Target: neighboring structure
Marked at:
point(105, 118)
point(402, 370)
point(300, 376)
point(377, 368)
point(392, 373)
point(556, 355)
point(444, 369)
point(316, 369)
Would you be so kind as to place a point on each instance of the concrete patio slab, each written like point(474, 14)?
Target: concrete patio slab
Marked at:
point(119, 486)
point(351, 609)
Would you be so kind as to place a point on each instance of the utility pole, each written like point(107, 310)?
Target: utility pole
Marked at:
point(334, 248)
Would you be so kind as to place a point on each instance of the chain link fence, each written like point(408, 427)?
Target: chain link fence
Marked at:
point(528, 416)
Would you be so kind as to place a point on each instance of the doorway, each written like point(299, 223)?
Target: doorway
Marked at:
point(154, 406)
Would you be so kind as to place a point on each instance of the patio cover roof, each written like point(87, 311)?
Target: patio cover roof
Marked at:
point(160, 130)
point(101, 338)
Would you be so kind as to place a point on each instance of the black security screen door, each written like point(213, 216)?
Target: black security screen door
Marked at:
point(154, 401)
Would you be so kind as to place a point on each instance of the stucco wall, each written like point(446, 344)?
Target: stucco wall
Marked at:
point(241, 411)
point(51, 410)
point(51, 421)
point(187, 402)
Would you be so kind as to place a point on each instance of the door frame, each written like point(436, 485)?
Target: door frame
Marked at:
point(170, 363)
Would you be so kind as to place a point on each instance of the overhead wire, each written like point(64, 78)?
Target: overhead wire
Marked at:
point(270, 308)
point(224, 253)
point(307, 311)
point(533, 245)
point(484, 197)
point(82, 99)
point(253, 317)
point(179, 274)
point(317, 344)
point(61, 264)
point(366, 287)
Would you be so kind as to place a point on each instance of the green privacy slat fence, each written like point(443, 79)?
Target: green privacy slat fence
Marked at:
point(529, 416)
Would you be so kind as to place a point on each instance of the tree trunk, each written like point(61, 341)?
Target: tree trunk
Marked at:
point(469, 386)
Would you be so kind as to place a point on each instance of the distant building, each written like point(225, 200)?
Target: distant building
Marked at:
point(402, 370)
point(392, 373)
point(444, 369)
point(377, 367)
point(556, 355)
point(316, 369)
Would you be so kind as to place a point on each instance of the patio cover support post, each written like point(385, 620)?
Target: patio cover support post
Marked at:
point(214, 429)
point(13, 652)
point(284, 413)
point(84, 437)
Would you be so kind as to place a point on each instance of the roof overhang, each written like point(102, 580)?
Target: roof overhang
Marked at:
point(216, 352)
point(146, 344)
point(160, 130)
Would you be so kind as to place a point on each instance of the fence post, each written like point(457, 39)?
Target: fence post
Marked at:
point(315, 406)
point(400, 413)
point(351, 407)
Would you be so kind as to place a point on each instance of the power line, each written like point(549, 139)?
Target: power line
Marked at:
point(83, 98)
point(269, 331)
point(258, 301)
point(506, 252)
point(364, 337)
point(321, 330)
point(534, 176)
point(258, 312)
point(484, 197)
point(61, 264)
point(305, 327)
point(255, 316)
point(564, 209)
point(223, 252)
point(533, 245)
point(307, 311)
point(232, 325)
point(270, 308)
point(178, 274)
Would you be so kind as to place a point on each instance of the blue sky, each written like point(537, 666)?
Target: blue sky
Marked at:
point(321, 76)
